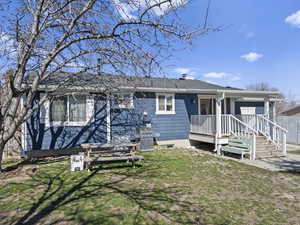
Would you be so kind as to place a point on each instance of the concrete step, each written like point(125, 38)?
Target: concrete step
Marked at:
point(266, 150)
point(265, 146)
point(260, 137)
point(263, 142)
point(269, 156)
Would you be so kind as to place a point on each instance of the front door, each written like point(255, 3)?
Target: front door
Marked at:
point(206, 105)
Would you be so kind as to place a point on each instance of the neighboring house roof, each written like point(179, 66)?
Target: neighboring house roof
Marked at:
point(291, 111)
point(152, 84)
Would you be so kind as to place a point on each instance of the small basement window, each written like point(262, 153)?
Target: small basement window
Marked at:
point(69, 110)
point(165, 104)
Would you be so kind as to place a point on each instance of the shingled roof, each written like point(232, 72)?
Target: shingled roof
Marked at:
point(72, 80)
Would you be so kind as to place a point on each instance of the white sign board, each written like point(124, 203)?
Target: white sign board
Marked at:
point(77, 162)
point(248, 110)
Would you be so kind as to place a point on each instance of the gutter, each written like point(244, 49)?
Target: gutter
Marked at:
point(228, 93)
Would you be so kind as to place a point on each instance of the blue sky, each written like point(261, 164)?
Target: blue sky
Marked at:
point(256, 44)
point(249, 26)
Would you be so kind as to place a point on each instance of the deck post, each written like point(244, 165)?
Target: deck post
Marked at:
point(273, 111)
point(232, 106)
point(253, 147)
point(218, 122)
point(267, 115)
point(284, 143)
point(267, 108)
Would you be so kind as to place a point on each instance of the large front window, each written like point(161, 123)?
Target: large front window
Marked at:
point(58, 112)
point(165, 104)
point(69, 109)
point(77, 108)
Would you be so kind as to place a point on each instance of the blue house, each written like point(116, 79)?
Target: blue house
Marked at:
point(86, 108)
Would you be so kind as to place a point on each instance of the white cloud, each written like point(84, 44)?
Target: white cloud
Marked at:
point(294, 19)
point(225, 77)
point(181, 70)
point(7, 44)
point(215, 75)
point(164, 8)
point(252, 56)
point(211, 82)
point(235, 78)
point(127, 10)
point(7, 51)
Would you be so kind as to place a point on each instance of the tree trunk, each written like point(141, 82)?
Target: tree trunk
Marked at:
point(2, 145)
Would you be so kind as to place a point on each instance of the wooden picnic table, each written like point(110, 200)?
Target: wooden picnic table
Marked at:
point(110, 153)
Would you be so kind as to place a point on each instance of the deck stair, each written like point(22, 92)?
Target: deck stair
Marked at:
point(238, 145)
point(255, 135)
point(266, 149)
point(241, 145)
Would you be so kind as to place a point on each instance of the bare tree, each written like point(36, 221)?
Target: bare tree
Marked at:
point(108, 36)
point(13, 146)
point(264, 86)
point(261, 86)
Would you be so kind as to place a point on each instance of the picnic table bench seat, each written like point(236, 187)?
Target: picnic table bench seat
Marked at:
point(116, 159)
point(106, 153)
point(93, 152)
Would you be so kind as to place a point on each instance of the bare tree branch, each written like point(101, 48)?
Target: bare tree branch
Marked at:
point(48, 36)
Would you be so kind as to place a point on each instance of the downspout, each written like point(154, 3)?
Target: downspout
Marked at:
point(108, 118)
point(23, 133)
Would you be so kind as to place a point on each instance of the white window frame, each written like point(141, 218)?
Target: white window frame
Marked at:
point(121, 105)
point(70, 123)
point(165, 112)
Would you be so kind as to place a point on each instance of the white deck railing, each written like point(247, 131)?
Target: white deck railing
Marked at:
point(271, 130)
point(241, 125)
point(203, 124)
point(230, 125)
point(206, 124)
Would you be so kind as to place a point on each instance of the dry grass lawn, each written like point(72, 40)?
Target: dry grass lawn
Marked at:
point(171, 187)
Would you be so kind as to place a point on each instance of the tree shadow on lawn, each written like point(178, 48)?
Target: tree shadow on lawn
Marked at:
point(288, 165)
point(78, 197)
point(293, 172)
point(33, 162)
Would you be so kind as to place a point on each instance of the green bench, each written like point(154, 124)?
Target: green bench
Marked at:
point(237, 145)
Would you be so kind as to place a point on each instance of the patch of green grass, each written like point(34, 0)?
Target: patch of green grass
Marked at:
point(171, 187)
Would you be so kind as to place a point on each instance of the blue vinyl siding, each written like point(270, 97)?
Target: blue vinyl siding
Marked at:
point(170, 126)
point(124, 123)
point(39, 136)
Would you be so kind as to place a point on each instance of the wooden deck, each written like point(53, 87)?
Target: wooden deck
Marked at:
point(208, 138)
